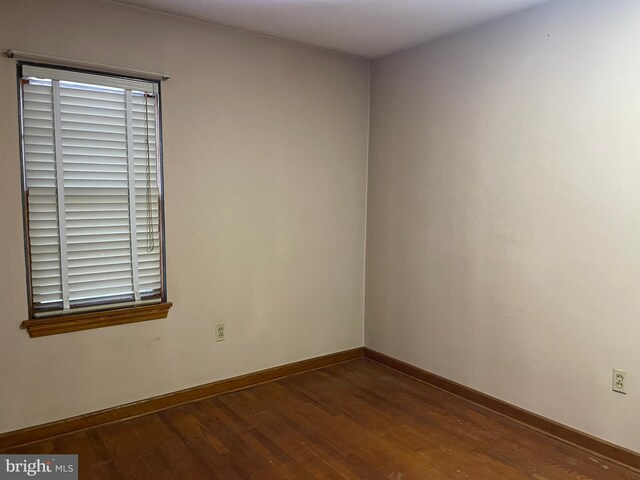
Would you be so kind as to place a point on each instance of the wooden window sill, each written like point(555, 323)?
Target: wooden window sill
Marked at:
point(74, 322)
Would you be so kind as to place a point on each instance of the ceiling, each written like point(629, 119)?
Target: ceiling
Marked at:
point(370, 28)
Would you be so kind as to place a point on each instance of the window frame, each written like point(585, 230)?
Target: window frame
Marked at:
point(93, 314)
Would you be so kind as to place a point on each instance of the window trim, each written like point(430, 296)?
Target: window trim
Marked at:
point(104, 315)
point(74, 322)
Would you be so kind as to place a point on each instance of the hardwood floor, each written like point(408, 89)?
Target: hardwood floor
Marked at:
point(356, 420)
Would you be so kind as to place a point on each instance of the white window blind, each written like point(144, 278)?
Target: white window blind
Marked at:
point(91, 166)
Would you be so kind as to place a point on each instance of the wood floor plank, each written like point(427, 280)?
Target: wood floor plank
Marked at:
point(356, 420)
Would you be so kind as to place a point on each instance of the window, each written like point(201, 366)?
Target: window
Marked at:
point(92, 194)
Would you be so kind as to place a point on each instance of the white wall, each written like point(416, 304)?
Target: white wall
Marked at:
point(265, 166)
point(503, 235)
point(503, 221)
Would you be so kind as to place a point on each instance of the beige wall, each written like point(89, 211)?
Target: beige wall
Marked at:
point(265, 165)
point(503, 234)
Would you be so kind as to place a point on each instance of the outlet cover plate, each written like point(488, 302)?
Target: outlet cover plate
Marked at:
point(619, 381)
point(220, 332)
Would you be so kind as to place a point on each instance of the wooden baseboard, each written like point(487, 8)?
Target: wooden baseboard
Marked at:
point(143, 407)
point(600, 447)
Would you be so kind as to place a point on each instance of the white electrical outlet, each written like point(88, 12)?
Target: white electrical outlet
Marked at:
point(619, 381)
point(220, 332)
